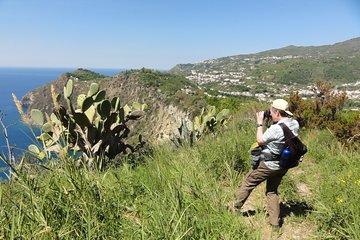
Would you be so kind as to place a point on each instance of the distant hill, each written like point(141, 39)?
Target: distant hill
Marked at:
point(82, 74)
point(278, 71)
point(346, 52)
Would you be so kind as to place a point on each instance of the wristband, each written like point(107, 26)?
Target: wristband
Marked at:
point(259, 125)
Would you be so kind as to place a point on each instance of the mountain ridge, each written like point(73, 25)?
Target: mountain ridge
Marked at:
point(283, 50)
point(278, 72)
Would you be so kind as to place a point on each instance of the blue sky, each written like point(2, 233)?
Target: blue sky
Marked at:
point(159, 34)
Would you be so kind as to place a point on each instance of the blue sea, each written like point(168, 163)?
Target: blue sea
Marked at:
point(19, 81)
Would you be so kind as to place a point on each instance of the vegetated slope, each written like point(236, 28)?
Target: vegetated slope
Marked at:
point(154, 88)
point(278, 71)
point(179, 193)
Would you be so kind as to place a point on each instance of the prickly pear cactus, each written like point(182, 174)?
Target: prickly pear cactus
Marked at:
point(96, 127)
point(185, 134)
point(208, 122)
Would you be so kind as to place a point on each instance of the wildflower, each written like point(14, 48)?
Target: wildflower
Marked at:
point(339, 200)
point(343, 181)
point(357, 181)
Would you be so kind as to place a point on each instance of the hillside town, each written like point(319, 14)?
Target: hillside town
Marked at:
point(223, 81)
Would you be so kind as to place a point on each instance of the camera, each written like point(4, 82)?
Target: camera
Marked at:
point(267, 114)
point(267, 118)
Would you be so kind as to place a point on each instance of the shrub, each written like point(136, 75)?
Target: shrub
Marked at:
point(325, 110)
point(319, 110)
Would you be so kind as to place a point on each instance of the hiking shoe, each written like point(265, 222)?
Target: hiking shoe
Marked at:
point(232, 207)
point(275, 229)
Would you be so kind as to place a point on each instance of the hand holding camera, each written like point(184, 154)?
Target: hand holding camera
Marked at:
point(263, 116)
point(267, 115)
point(260, 117)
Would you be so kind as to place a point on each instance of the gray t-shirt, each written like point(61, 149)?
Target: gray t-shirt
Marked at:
point(275, 141)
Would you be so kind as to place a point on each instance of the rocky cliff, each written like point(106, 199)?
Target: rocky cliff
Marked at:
point(162, 118)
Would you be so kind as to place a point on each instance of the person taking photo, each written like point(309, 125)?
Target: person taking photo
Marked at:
point(270, 145)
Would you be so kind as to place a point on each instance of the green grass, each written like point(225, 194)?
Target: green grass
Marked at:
point(179, 193)
point(336, 180)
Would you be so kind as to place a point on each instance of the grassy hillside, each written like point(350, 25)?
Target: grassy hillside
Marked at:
point(179, 193)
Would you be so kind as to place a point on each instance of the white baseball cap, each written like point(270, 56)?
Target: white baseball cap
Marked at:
point(281, 104)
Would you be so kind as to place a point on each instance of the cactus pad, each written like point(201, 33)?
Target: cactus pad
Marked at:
point(37, 116)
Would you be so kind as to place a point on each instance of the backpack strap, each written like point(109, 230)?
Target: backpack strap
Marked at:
point(290, 138)
point(287, 132)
